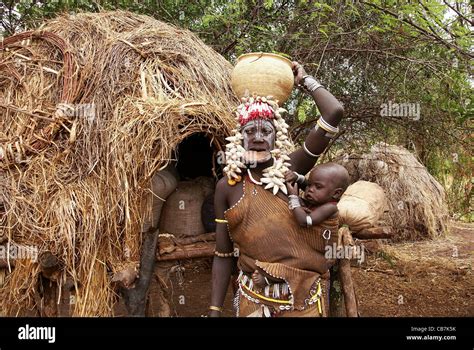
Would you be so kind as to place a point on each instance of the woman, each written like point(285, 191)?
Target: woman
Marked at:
point(256, 223)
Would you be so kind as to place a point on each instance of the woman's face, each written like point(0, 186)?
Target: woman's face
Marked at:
point(259, 135)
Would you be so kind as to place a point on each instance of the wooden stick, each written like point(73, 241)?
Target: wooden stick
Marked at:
point(136, 298)
point(374, 233)
point(336, 301)
point(197, 250)
point(348, 287)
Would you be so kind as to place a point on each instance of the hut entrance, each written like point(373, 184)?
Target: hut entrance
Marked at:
point(189, 210)
point(186, 226)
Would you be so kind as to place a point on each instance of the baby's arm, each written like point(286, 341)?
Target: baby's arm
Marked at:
point(317, 216)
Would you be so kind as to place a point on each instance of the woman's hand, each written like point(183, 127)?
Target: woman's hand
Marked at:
point(298, 72)
point(292, 188)
point(291, 177)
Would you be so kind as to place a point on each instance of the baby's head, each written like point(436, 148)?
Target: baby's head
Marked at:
point(327, 182)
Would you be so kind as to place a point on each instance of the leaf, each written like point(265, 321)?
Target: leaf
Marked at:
point(323, 32)
point(268, 4)
point(301, 115)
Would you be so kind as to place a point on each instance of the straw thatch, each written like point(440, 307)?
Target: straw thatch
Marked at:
point(417, 206)
point(92, 105)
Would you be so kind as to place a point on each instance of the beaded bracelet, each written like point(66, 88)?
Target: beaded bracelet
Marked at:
point(215, 308)
point(309, 84)
point(294, 202)
point(227, 255)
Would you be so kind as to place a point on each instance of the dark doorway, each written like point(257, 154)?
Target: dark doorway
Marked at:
point(195, 157)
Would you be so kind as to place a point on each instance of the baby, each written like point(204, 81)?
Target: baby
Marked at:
point(325, 186)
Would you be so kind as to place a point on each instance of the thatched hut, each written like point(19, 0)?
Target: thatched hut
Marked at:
point(93, 106)
point(417, 207)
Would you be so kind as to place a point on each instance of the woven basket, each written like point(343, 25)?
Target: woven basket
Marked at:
point(264, 74)
point(361, 205)
point(163, 184)
point(181, 213)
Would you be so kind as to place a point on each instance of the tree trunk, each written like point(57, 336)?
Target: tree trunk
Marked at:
point(48, 293)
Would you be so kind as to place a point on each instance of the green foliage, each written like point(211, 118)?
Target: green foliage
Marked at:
point(306, 110)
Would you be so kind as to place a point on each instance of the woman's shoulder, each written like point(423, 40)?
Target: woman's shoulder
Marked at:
point(224, 187)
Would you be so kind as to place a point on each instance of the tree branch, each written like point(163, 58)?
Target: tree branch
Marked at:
point(422, 31)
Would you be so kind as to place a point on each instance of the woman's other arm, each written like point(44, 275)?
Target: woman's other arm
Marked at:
point(221, 267)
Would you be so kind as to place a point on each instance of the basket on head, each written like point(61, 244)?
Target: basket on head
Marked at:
point(263, 74)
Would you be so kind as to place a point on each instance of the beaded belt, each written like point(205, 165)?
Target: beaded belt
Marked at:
point(277, 294)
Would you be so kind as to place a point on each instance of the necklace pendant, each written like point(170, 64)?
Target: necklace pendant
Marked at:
point(254, 192)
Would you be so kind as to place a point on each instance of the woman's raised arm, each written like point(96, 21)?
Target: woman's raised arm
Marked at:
point(304, 158)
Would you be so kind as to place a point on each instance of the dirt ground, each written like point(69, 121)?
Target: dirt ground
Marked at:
point(429, 278)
